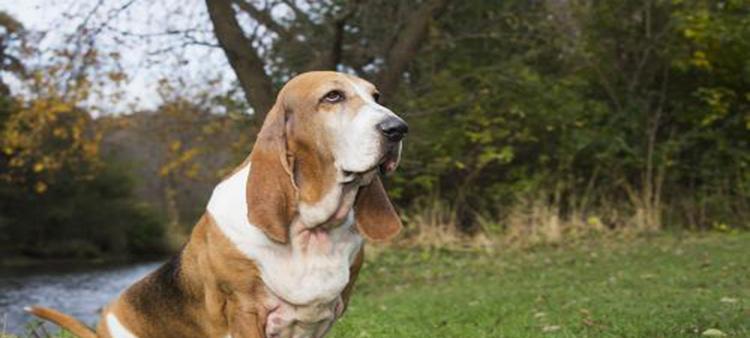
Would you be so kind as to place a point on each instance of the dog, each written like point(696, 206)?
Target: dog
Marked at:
point(281, 242)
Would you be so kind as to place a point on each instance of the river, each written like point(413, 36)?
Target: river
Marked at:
point(79, 291)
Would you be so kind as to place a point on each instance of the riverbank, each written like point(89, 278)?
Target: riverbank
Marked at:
point(80, 290)
point(10, 262)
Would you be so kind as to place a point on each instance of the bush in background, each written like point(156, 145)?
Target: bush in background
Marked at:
point(554, 118)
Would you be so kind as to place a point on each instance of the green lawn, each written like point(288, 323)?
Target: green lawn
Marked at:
point(662, 286)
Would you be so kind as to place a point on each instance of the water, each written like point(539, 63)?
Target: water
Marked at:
point(77, 291)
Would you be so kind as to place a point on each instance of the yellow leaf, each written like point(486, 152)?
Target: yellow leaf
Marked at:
point(700, 60)
point(40, 187)
point(175, 145)
point(59, 132)
point(59, 107)
point(164, 171)
point(16, 162)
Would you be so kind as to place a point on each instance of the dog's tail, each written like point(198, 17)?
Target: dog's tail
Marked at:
point(65, 321)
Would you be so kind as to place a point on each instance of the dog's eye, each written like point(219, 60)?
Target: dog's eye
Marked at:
point(376, 97)
point(334, 96)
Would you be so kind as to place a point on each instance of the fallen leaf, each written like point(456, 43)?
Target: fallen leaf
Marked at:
point(713, 333)
point(550, 328)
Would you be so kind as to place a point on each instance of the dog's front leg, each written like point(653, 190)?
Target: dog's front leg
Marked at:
point(245, 320)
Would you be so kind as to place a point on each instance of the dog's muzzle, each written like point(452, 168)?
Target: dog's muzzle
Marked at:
point(393, 130)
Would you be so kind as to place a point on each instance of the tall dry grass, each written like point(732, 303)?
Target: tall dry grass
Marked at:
point(434, 224)
point(528, 222)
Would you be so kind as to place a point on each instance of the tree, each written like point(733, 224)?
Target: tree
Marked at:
point(58, 197)
point(179, 151)
point(617, 113)
point(330, 35)
point(13, 42)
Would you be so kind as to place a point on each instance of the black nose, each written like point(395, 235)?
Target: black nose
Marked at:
point(393, 129)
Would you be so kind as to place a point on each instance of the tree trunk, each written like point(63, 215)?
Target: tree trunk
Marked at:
point(407, 45)
point(250, 67)
point(243, 58)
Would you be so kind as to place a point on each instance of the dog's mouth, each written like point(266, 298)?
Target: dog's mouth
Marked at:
point(386, 165)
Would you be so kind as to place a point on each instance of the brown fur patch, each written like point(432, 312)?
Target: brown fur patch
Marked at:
point(270, 193)
point(376, 218)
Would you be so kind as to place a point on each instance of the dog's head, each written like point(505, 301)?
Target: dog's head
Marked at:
point(318, 154)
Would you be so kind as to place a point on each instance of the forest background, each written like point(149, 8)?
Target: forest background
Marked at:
point(531, 121)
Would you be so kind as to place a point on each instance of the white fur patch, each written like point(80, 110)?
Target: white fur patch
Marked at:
point(116, 329)
point(357, 142)
point(315, 214)
point(298, 275)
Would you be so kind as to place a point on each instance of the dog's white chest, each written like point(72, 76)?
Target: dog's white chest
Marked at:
point(305, 280)
point(304, 290)
point(318, 275)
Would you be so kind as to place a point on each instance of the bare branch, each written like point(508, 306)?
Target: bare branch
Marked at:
point(332, 57)
point(298, 13)
point(264, 18)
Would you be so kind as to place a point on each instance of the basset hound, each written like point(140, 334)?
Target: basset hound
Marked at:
point(281, 242)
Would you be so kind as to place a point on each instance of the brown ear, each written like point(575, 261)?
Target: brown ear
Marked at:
point(270, 190)
point(376, 218)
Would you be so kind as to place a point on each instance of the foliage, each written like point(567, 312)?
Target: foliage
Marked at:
point(59, 198)
point(178, 152)
point(45, 137)
point(81, 219)
point(632, 113)
point(538, 119)
point(13, 43)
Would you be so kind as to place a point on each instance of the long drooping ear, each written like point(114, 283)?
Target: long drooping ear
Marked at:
point(376, 218)
point(271, 194)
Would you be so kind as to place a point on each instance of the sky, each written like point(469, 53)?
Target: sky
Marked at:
point(138, 31)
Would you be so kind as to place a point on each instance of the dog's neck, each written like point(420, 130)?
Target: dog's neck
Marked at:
point(337, 202)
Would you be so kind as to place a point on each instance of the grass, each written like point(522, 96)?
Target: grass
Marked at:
point(662, 286)
point(666, 285)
